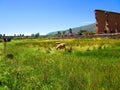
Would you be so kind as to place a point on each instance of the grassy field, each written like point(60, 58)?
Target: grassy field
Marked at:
point(86, 64)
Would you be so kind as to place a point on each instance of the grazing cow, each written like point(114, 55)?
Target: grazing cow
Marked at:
point(6, 39)
point(61, 46)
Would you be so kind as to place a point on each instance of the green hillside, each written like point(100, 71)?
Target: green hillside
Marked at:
point(90, 27)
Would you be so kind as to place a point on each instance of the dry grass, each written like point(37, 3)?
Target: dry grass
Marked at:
point(87, 64)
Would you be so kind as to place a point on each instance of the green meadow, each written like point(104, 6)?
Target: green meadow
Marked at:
point(86, 64)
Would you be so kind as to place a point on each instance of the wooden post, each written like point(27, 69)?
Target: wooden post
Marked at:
point(5, 45)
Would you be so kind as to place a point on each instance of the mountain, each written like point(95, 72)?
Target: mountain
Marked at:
point(90, 27)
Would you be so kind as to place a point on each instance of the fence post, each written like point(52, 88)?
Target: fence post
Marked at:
point(5, 45)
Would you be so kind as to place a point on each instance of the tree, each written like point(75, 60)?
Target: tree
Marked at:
point(37, 35)
point(63, 32)
point(32, 35)
point(83, 31)
point(59, 33)
point(0, 35)
point(14, 35)
point(79, 33)
point(22, 35)
point(70, 30)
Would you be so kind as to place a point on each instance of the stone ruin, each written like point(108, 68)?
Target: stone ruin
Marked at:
point(107, 22)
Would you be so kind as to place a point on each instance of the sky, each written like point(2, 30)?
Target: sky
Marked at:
point(44, 16)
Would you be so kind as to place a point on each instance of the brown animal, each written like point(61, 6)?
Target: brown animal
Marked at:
point(61, 46)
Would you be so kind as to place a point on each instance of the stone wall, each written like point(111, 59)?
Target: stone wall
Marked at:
point(107, 22)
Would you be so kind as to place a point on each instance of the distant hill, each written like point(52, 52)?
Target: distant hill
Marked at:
point(90, 27)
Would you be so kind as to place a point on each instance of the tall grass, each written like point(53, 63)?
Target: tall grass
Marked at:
point(38, 66)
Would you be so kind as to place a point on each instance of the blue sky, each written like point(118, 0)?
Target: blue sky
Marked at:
point(44, 16)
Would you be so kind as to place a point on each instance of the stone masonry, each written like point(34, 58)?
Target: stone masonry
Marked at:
point(107, 22)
